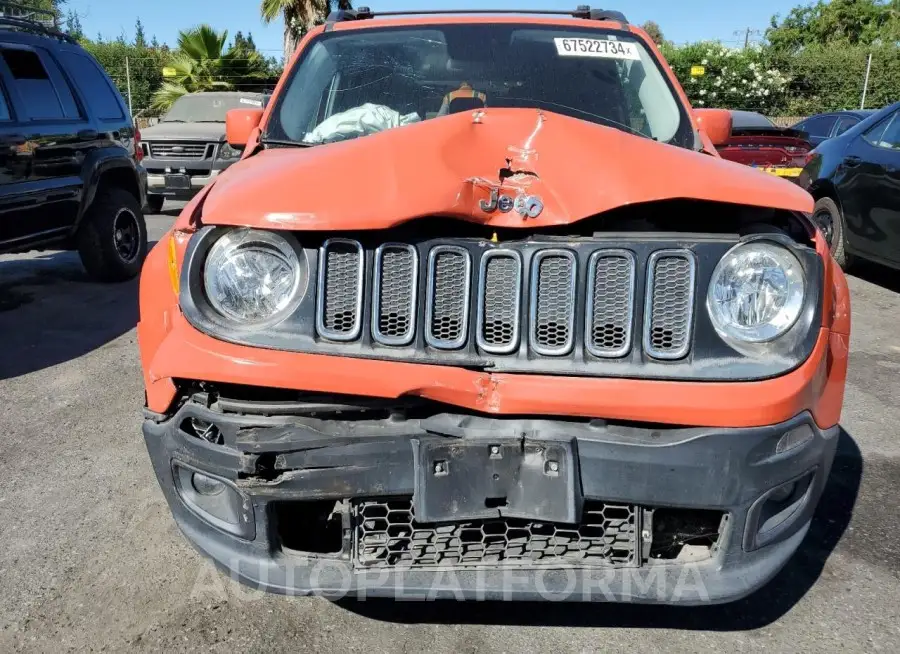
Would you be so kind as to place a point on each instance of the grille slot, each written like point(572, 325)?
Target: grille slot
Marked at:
point(669, 304)
point(386, 534)
point(499, 300)
point(553, 274)
point(395, 294)
point(340, 290)
point(181, 151)
point(447, 302)
point(610, 303)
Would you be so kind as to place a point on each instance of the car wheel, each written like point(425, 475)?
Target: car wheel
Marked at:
point(112, 238)
point(829, 219)
point(155, 203)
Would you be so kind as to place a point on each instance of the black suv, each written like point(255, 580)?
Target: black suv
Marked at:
point(70, 172)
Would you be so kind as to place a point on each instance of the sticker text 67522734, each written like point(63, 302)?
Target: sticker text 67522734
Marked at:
point(572, 47)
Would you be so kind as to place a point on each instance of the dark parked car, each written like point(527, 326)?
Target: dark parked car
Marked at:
point(822, 127)
point(855, 179)
point(70, 173)
point(756, 141)
point(187, 149)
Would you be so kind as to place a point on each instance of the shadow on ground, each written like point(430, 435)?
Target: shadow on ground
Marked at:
point(52, 312)
point(760, 609)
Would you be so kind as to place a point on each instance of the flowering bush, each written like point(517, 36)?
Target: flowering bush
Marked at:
point(733, 78)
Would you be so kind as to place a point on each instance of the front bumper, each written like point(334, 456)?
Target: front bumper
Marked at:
point(731, 471)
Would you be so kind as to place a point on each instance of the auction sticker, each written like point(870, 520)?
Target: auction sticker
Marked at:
point(571, 47)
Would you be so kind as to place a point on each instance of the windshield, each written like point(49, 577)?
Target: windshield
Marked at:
point(354, 83)
point(210, 107)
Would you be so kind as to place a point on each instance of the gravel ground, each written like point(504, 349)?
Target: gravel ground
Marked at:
point(91, 560)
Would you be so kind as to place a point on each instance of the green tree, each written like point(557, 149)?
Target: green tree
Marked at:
point(73, 25)
point(299, 17)
point(140, 39)
point(202, 63)
point(654, 32)
point(853, 22)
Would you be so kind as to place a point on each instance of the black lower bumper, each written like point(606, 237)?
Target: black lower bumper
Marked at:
point(763, 482)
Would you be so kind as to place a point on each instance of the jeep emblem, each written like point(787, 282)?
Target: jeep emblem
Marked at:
point(528, 206)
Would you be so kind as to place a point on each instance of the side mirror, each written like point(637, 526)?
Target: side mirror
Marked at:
point(716, 123)
point(239, 123)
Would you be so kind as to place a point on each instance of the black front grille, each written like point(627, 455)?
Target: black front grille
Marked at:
point(670, 303)
point(180, 150)
point(394, 313)
point(498, 298)
point(340, 290)
point(386, 534)
point(498, 304)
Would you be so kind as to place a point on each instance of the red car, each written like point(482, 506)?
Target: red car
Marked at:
point(756, 141)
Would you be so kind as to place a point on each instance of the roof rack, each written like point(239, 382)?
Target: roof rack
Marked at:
point(582, 11)
point(26, 19)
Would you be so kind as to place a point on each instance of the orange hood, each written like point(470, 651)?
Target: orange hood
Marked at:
point(447, 166)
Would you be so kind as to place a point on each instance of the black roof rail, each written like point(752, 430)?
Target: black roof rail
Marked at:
point(23, 18)
point(582, 11)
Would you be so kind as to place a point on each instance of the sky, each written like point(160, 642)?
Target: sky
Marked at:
point(681, 21)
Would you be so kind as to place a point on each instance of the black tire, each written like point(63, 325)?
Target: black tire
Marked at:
point(827, 215)
point(112, 237)
point(155, 203)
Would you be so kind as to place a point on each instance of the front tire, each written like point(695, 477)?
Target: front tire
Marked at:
point(155, 203)
point(112, 238)
point(827, 215)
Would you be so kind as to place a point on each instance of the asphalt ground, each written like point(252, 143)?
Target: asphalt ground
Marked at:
point(90, 558)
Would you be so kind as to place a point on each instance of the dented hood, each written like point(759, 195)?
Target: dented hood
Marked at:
point(449, 166)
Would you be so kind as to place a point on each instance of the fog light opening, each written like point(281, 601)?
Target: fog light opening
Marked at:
point(206, 486)
point(794, 438)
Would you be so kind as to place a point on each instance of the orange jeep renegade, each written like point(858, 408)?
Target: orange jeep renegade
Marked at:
point(481, 314)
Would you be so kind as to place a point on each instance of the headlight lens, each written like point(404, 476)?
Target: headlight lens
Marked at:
point(756, 292)
point(228, 152)
point(253, 277)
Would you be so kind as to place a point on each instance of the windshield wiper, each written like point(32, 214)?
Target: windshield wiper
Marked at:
point(286, 144)
point(172, 120)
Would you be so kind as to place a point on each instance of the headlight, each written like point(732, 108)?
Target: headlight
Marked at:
point(756, 292)
point(253, 277)
point(228, 152)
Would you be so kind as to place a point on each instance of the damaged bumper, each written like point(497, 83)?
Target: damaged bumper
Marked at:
point(413, 503)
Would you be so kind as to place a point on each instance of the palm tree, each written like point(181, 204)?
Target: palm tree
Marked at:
point(202, 63)
point(299, 16)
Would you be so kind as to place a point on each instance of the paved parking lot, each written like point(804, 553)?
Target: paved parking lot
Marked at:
point(91, 560)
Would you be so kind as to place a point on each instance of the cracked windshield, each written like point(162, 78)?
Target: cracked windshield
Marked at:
point(351, 85)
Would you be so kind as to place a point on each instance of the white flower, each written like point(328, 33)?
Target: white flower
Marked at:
point(766, 92)
point(752, 66)
point(713, 94)
point(693, 80)
point(702, 91)
point(733, 89)
point(700, 102)
point(704, 62)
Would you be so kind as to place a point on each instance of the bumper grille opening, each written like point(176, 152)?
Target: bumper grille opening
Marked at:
point(313, 526)
point(686, 534)
point(386, 534)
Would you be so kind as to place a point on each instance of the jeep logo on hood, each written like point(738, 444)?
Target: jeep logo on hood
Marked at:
point(528, 206)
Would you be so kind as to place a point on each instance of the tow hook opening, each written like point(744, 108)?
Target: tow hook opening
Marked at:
point(684, 535)
point(312, 527)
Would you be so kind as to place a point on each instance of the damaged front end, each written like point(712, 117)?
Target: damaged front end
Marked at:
point(340, 494)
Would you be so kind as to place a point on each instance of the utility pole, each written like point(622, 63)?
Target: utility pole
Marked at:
point(862, 102)
point(746, 34)
point(128, 84)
